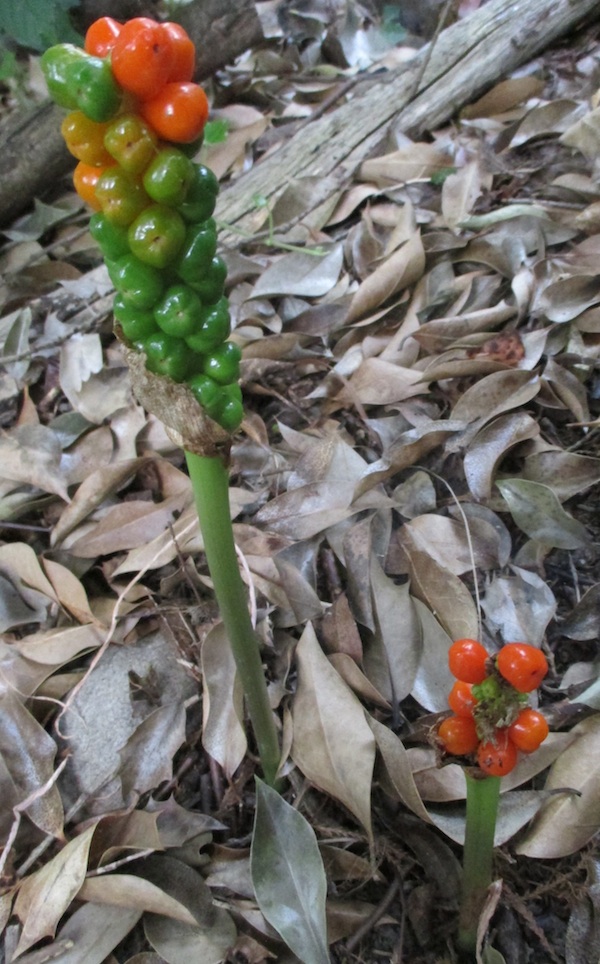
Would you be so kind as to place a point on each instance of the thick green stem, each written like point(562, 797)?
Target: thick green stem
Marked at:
point(483, 795)
point(210, 482)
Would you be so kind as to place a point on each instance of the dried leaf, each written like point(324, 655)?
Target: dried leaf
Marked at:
point(90, 934)
point(31, 455)
point(28, 754)
point(400, 270)
point(398, 769)
point(503, 96)
point(223, 735)
point(569, 390)
point(379, 382)
point(147, 757)
point(490, 445)
point(569, 818)
point(397, 631)
point(69, 590)
point(81, 357)
point(91, 493)
point(414, 161)
point(45, 895)
point(584, 134)
point(56, 647)
point(569, 297)
point(179, 943)
point(537, 511)
point(134, 893)
point(305, 510)
point(583, 622)
point(209, 939)
point(569, 473)
point(519, 606)
point(434, 680)
point(410, 447)
point(17, 343)
point(582, 943)
point(460, 192)
point(127, 525)
point(356, 679)
point(300, 274)
point(555, 117)
point(447, 597)
point(324, 711)
point(445, 541)
point(495, 394)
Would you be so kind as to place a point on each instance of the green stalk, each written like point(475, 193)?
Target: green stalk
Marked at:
point(483, 795)
point(210, 482)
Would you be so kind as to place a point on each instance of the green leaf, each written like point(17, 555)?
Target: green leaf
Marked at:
point(8, 65)
point(38, 24)
point(491, 956)
point(538, 512)
point(216, 131)
point(438, 177)
point(288, 876)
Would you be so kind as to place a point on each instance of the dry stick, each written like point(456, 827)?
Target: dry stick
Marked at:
point(374, 916)
point(443, 16)
point(42, 847)
point(20, 808)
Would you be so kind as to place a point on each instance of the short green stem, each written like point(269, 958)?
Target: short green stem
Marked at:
point(210, 482)
point(483, 794)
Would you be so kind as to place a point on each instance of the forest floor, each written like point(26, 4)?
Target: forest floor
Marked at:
point(418, 463)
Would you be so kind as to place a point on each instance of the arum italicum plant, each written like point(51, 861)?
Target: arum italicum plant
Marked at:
point(491, 723)
point(135, 120)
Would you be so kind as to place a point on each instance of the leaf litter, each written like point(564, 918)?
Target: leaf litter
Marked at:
point(419, 462)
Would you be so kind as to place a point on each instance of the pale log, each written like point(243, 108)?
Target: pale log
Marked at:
point(32, 153)
point(468, 58)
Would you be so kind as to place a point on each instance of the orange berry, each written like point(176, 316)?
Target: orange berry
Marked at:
point(467, 660)
point(458, 735)
point(178, 113)
point(461, 700)
point(529, 730)
point(522, 665)
point(85, 178)
point(184, 52)
point(499, 756)
point(142, 57)
point(101, 36)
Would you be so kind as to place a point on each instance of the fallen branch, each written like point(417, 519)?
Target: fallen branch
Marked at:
point(467, 58)
point(33, 156)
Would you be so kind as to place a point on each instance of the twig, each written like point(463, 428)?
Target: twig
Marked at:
point(108, 868)
point(35, 854)
point(81, 329)
point(424, 65)
point(367, 925)
point(21, 807)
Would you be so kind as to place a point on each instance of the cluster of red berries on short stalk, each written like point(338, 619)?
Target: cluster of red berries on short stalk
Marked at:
point(491, 719)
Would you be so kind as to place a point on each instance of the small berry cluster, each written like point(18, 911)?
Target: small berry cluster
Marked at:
point(135, 117)
point(492, 720)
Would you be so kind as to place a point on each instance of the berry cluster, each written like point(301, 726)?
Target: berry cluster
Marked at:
point(491, 719)
point(135, 118)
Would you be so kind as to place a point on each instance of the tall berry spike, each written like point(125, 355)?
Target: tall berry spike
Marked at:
point(133, 172)
point(154, 227)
